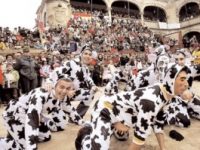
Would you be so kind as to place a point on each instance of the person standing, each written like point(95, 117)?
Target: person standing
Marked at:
point(26, 66)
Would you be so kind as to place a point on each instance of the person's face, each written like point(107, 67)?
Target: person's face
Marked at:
point(181, 83)
point(62, 88)
point(180, 59)
point(86, 57)
point(9, 67)
point(26, 54)
point(162, 63)
point(17, 55)
point(9, 58)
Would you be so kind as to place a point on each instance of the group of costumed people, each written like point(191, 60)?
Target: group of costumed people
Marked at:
point(158, 96)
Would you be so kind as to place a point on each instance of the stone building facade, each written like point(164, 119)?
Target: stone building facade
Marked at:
point(56, 12)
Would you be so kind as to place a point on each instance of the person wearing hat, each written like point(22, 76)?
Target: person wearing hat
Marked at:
point(26, 66)
point(31, 118)
point(77, 70)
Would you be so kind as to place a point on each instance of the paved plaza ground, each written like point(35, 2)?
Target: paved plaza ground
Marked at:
point(65, 140)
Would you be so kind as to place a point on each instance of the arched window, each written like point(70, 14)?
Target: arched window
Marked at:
point(191, 38)
point(89, 4)
point(189, 11)
point(153, 13)
point(81, 5)
point(125, 9)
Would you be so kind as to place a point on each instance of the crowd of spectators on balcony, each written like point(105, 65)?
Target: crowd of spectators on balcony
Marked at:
point(188, 13)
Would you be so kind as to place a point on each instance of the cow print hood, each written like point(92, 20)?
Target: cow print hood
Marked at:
point(170, 76)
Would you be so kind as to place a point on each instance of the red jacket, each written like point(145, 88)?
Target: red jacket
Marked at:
point(1, 76)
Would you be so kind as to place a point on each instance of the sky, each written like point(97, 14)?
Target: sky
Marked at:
point(14, 13)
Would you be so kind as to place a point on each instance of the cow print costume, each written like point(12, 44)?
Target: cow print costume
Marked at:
point(112, 86)
point(174, 113)
point(140, 109)
point(32, 117)
point(151, 75)
point(194, 105)
point(82, 81)
point(155, 74)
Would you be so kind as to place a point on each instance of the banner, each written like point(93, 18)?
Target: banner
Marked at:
point(76, 15)
point(41, 26)
point(174, 25)
point(164, 25)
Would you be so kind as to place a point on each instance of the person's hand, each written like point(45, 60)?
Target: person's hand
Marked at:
point(94, 88)
point(47, 86)
point(71, 93)
point(121, 128)
point(187, 95)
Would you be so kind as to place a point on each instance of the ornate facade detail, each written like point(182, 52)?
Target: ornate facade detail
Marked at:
point(54, 12)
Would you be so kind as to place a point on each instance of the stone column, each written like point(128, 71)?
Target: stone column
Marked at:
point(109, 13)
point(142, 18)
point(172, 15)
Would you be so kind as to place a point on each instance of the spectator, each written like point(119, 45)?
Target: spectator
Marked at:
point(2, 45)
point(27, 68)
point(11, 83)
point(1, 78)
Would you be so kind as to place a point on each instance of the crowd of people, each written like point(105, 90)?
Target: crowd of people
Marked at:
point(77, 61)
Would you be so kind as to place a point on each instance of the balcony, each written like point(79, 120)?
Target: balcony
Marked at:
point(151, 24)
point(183, 24)
point(190, 22)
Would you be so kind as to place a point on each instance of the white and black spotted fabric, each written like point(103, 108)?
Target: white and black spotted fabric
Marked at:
point(82, 81)
point(140, 109)
point(176, 113)
point(32, 117)
point(112, 86)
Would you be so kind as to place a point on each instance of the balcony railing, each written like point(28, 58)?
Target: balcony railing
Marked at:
point(151, 24)
point(190, 22)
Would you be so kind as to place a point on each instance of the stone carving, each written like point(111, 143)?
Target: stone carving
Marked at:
point(58, 12)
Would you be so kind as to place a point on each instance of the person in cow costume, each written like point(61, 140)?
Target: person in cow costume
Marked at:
point(112, 87)
point(193, 106)
point(140, 109)
point(31, 118)
point(176, 113)
point(77, 70)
